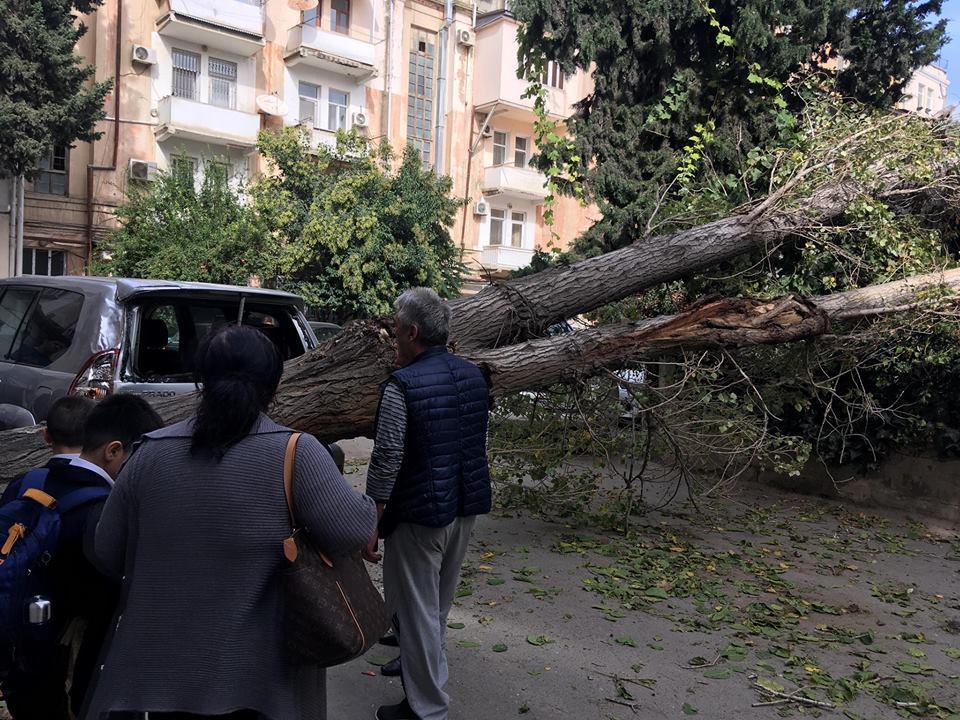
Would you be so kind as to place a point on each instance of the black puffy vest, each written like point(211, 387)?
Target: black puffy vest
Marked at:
point(444, 474)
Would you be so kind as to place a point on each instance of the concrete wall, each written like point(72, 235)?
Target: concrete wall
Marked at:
point(926, 92)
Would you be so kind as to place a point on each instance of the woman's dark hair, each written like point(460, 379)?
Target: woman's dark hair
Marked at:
point(238, 370)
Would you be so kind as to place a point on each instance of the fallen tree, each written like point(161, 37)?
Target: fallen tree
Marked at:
point(332, 392)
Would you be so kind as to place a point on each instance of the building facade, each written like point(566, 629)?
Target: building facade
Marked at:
point(926, 93)
point(196, 80)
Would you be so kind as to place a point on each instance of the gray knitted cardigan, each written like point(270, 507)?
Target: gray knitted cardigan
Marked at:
point(199, 545)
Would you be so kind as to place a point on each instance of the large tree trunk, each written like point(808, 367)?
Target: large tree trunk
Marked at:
point(333, 391)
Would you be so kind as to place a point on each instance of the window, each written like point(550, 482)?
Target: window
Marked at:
point(186, 74)
point(420, 92)
point(43, 262)
point(49, 330)
point(517, 220)
point(51, 176)
point(340, 16)
point(309, 104)
point(521, 152)
point(497, 218)
point(337, 104)
point(223, 83)
point(500, 141)
point(312, 16)
point(553, 76)
point(13, 309)
point(184, 168)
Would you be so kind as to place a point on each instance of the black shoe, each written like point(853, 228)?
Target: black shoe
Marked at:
point(392, 668)
point(390, 640)
point(400, 711)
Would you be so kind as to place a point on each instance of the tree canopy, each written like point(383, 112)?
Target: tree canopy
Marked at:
point(347, 228)
point(46, 98)
point(675, 76)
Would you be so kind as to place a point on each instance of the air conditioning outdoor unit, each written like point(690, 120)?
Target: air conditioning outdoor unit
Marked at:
point(466, 38)
point(487, 132)
point(143, 55)
point(360, 120)
point(142, 170)
point(481, 208)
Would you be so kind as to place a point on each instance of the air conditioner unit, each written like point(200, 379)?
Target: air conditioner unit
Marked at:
point(142, 170)
point(466, 38)
point(360, 120)
point(487, 132)
point(143, 55)
point(481, 208)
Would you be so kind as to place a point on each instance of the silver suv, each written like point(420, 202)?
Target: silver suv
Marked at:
point(95, 336)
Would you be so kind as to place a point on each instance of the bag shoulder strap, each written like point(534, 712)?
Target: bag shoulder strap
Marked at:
point(36, 479)
point(76, 498)
point(289, 465)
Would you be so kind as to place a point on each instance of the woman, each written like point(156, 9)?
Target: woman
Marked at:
point(195, 525)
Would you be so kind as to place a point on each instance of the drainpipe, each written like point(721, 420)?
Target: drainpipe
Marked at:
point(18, 266)
point(442, 85)
point(12, 243)
point(112, 167)
point(388, 124)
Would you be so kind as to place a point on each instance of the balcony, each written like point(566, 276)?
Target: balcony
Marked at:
point(498, 89)
point(351, 55)
point(515, 182)
point(505, 257)
point(232, 25)
point(183, 119)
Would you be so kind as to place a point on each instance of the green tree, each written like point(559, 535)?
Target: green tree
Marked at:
point(46, 98)
point(176, 230)
point(349, 232)
point(675, 76)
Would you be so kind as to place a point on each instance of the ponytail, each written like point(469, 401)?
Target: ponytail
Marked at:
point(238, 371)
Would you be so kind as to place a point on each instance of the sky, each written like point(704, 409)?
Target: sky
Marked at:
point(950, 55)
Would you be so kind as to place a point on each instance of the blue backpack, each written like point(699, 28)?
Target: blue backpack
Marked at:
point(31, 526)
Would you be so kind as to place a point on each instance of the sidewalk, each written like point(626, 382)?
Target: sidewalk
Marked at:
point(784, 590)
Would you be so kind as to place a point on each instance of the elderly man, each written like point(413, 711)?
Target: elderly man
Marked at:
point(429, 476)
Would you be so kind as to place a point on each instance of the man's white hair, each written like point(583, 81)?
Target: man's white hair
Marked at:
point(423, 308)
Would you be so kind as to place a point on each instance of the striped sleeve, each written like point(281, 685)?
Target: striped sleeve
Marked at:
point(387, 456)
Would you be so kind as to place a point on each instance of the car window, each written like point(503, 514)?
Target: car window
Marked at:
point(13, 309)
point(49, 330)
point(170, 332)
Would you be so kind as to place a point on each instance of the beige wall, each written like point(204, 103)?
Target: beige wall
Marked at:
point(926, 92)
point(153, 128)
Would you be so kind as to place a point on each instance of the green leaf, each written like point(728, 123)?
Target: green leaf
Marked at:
point(913, 669)
point(953, 653)
point(689, 709)
point(539, 639)
point(499, 648)
point(628, 641)
point(655, 592)
point(496, 581)
point(456, 625)
point(718, 673)
point(378, 660)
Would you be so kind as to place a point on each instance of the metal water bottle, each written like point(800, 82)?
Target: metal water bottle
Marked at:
point(39, 610)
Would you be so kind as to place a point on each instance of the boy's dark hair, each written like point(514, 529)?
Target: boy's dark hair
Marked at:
point(122, 417)
point(67, 418)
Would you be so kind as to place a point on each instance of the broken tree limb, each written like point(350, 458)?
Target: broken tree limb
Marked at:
point(507, 312)
point(333, 391)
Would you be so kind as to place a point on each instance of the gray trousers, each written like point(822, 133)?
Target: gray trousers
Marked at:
point(421, 571)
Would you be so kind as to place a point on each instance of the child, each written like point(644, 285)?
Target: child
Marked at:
point(82, 599)
point(63, 431)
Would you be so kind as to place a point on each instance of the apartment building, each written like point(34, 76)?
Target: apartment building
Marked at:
point(926, 93)
point(196, 80)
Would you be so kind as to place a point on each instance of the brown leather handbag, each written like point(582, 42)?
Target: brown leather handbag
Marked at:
point(332, 611)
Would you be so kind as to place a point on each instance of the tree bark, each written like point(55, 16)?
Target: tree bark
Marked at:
point(333, 391)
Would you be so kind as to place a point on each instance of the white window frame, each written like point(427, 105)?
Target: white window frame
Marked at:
point(215, 75)
point(344, 110)
point(526, 151)
point(31, 254)
point(315, 101)
point(515, 222)
point(502, 220)
point(505, 147)
point(553, 76)
point(204, 78)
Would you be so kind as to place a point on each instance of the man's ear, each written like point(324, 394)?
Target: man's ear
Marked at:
point(414, 333)
point(113, 450)
point(45, 434)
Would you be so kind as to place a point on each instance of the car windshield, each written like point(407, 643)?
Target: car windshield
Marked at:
point(169, 330)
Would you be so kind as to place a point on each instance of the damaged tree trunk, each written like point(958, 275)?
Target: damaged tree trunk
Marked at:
point(333, 391)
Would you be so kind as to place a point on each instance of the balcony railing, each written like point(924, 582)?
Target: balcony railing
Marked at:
point(505, 257)
point(180, 118)
point(233, 25)
point(348, 54)
point(514, 181)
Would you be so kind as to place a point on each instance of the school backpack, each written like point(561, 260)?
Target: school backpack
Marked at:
point(31, 526)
